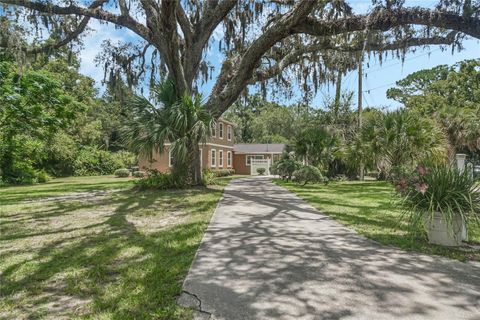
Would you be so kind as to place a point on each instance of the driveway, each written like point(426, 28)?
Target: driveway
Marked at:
point(269, 255)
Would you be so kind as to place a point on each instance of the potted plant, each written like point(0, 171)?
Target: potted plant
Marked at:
point(441, 198)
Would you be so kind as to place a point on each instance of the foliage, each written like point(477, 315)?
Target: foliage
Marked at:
point(93, 161)
point(122, 173)
point(441, 189)
point(285, 166)
point(317, 145)
point(309, 174)
point(139, 174)
point(34, 107)
point(160, 180)
point(184, 123)
point(209, 177)
point(451, 96)
point(398, 138)
point(261, 171)
point(43, 176)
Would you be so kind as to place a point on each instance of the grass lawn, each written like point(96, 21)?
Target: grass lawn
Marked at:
point(116, 255)
point(368, 207)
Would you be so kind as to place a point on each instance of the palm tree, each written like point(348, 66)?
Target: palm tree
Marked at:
point(184, 123)
point(402, 138)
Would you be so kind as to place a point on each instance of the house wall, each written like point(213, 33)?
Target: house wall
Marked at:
point(160, 161)
point(240, 161)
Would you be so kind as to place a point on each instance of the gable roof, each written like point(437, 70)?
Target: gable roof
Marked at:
point(259, 147)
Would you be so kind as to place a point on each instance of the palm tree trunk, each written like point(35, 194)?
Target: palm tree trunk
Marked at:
point(195, 166)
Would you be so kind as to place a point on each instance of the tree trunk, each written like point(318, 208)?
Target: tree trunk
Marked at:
point(360, 111)
point(195, 166)
point(338, 92)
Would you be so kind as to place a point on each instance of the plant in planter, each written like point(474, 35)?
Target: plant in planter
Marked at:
point(441, 198)
point(261, 171)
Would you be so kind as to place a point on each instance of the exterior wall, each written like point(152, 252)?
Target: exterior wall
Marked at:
point(208, 163)
point(159, 161)
point(240, 161)
point(215, 139)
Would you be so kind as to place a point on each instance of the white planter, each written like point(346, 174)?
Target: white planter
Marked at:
point(439, 232)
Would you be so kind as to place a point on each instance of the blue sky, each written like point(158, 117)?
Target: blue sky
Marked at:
point(378, 77)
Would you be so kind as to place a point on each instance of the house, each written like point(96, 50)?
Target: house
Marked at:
point(220, 152)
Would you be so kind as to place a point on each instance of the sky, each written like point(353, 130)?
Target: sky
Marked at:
point(378, 78)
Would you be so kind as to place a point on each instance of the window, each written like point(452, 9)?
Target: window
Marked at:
point(213, 158)
point(220, 158)
point(214, 130)
point(171, 161)
point(250, 157)
point(220, 130)
point(229, 159)
point(229, 133)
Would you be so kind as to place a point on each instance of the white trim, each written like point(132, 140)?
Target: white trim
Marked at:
point(246, 158)
point(206, 144)
point(220, 130)
point(170, 164)
point(220, 158)
point(229, 159)
point(229, 132)
point(213, 159)
point(214, 130)
point(238, 152)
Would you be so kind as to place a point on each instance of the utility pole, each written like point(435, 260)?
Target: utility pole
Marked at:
point(360, 110)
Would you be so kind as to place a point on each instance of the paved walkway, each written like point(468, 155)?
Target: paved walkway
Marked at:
point(269, 255)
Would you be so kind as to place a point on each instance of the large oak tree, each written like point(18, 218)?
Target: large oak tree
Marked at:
point(262, 41)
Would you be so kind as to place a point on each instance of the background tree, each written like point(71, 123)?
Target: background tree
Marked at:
point(451, 95)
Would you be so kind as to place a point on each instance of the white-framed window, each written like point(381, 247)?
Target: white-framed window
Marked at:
point(229, 159)
point(171, 160)
point(220, 130)
point(214, 130)
point(229, 132)
point(249, 158)
point(213, 158)
point(220, 158)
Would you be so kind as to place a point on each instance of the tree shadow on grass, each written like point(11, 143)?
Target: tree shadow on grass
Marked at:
point(117, 268)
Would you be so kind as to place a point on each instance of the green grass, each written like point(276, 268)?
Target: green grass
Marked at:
point(369, 208)
point(122, 255)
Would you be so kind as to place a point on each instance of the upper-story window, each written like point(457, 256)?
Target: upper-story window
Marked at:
point(214, 130)
point(220, 130)
point(229, 133)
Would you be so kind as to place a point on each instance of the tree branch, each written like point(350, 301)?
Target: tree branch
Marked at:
point(384, 20)
point(250, 59)
point(100, 14)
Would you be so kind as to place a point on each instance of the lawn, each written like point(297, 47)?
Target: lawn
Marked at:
point(369, 208)
point(116, 254)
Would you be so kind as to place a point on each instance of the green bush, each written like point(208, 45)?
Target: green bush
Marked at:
point(122, 173)
point(261, 171)
point(285, 167)
point(93, 161)
point(308, 174)
point(209, 177)
point(159, 180)
point(43, 176)
point(138, 174)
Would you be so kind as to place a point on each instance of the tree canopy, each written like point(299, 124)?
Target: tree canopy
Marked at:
point(280, 41)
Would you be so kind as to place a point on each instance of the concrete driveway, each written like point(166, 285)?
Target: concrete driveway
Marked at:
point(269, 255)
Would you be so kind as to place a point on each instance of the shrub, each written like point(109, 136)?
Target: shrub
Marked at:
point(138, 174)
point(285, 167)
point(209, 177)
point(308, 174)
point(43, 176)
point(93, 161)
point(442, 190)
point(159, 180)
point(122, 173)
point(261, 171)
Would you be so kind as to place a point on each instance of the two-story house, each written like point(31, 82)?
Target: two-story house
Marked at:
point(220, 152)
